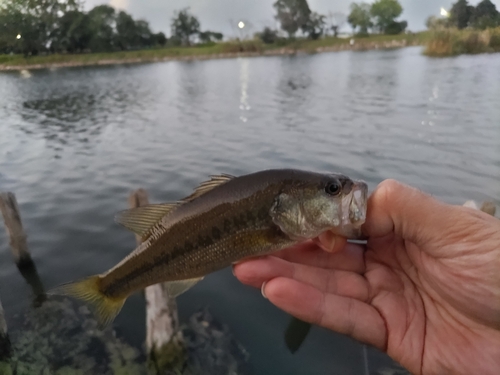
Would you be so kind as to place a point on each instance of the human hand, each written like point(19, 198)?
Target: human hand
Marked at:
point(425, 288)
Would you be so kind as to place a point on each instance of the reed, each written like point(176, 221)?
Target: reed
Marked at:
point(453, 42)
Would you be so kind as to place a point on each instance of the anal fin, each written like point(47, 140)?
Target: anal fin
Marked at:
point(176, 288)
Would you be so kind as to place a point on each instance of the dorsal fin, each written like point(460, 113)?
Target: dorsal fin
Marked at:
point(141, 219)
point(206, 186)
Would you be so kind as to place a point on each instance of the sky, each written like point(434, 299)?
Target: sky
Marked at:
point(224, 15)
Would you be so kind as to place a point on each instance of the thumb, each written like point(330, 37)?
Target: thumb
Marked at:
point(409, 213)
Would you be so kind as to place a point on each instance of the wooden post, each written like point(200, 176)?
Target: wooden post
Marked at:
point(14, 227)
point(487, 207)
point(164, 339)
point(19, 246)
point(5, 348)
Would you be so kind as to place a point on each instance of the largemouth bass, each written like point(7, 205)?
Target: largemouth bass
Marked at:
point(225, 220)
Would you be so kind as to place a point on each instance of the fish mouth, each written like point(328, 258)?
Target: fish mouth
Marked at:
point(357, 205)
point(354, 210)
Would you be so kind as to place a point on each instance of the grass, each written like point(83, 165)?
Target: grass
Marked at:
point(212, 50)
point(452, 42)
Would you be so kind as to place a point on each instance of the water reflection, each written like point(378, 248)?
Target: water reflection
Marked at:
point(432, 112)
point(293, 92)
point(63, 119)
point(191, 82)
point(371, 85)
point(76, 107)
point(244, 77)
point(25, 73)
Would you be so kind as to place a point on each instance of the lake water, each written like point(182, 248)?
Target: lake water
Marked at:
point(75, 142)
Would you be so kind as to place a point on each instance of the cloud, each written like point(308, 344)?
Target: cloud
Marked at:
point(119, 4)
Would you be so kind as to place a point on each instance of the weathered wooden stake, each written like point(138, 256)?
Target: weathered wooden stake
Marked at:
point(5, 348)
point(487, 207)
point(164, 340)
point(18, 245)
point(14, 227)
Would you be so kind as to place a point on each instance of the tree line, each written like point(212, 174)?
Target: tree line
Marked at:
point(380, 17)
point(295, 15)
point(37, 26)
point(462, 15)
point(32, 27)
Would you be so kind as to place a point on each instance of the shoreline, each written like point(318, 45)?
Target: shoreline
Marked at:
point(359, 45)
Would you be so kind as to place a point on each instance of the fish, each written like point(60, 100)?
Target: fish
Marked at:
point(225, 220)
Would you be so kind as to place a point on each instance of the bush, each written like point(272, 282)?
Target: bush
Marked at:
point(395, 28)
point(242, 46)
point(268, 36)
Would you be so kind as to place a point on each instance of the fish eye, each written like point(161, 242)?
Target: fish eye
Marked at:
point(333, 188)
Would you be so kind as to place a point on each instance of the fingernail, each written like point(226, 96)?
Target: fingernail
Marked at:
point(262, 289)
point(327, 241)
point(232, 269)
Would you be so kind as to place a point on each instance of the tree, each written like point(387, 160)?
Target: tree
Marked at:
point(210, 36)
point(268, 35)
point(102, 19)
point(34, 26)
point(184, 25)
point(337, 20)
point(360, 17)
point(461, 14)
point(159, 39)
point(144, 34)
point(292, 15)
point(315, 25)
point(73, 32)
point(35, 21)
point(485, 15)
point(385, 12)
point(396, 27)
point(126, 32)
point(14, 22)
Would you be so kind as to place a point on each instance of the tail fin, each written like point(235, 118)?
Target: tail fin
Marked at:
point(88, 290)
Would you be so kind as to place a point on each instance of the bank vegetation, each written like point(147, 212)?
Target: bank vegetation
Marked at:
point(452, 42)
point(464, 29)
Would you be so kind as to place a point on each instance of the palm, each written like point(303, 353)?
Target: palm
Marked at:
point(438, 309)
point(434, 308)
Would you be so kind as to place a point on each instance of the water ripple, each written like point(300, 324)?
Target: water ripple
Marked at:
point(74, 142)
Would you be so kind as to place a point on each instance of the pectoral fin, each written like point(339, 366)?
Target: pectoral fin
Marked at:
point(176, 288)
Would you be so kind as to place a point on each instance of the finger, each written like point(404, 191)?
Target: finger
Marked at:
point(406, 211)
point(350, 258)
point(344, 283)
point(341, 314)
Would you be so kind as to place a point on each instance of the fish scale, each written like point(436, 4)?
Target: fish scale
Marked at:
point(177, 252)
